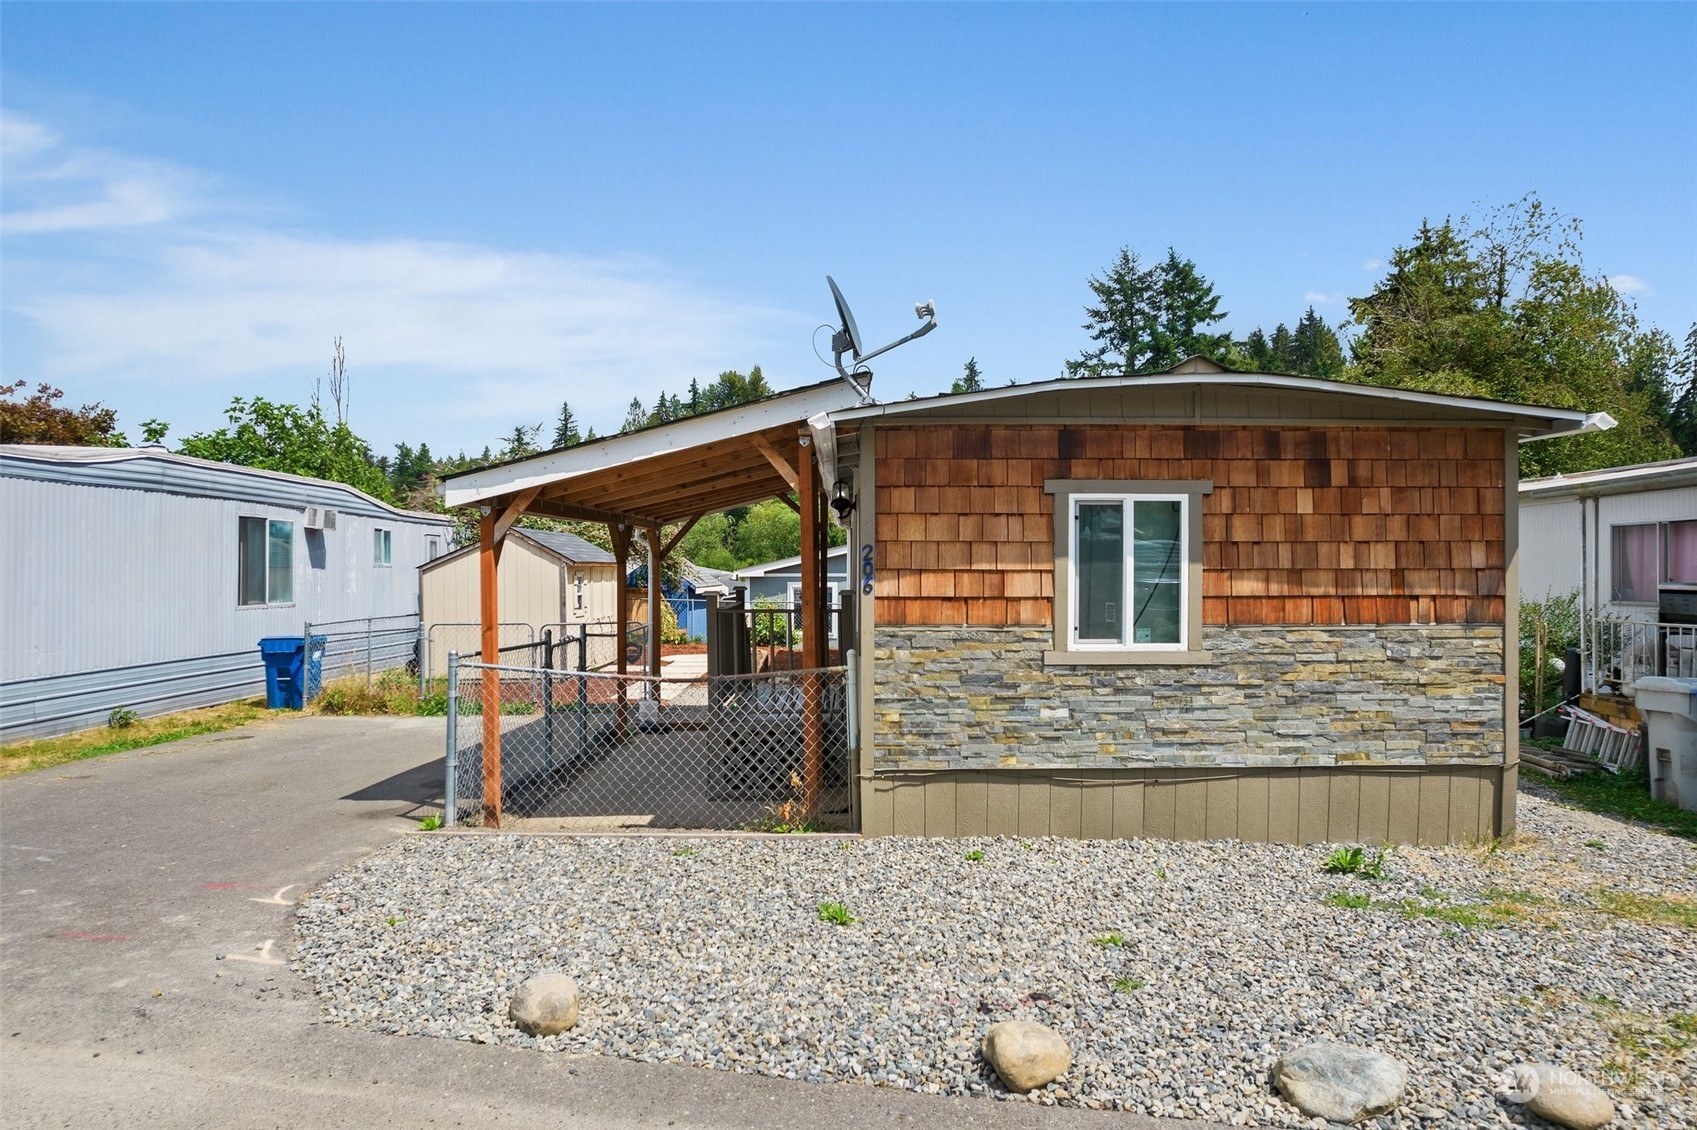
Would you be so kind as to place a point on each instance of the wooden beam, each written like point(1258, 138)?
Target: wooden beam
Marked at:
point(666, 550)
point(812, 632)
point(513, 510)
point(554, 508)
point(790, 502)
point(489, 616)
point(779, 463)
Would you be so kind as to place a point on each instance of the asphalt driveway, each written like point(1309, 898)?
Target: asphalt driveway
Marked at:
point(145, 915)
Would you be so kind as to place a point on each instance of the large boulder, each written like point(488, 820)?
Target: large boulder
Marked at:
point(1026, 1054)
point(1561, 1096)
point(1338, 1082)
point(545, 1005)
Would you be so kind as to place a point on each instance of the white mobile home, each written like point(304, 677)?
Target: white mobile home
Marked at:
point(1615, 536)
point(140, 579)
point(1624, 539)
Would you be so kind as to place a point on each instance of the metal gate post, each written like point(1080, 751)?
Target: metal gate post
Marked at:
point(368, 653)
point(582, 692)
point(423, 659)
point(548, 696)
point(851, 684)
point(450, 802)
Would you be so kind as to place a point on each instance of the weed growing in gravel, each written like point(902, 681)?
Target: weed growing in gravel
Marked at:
point(1127, 984)
point(1114, 939)
point(685, 850)
point(1355, 861)
point(1346, 901)
point(1596, 845)
point(392, 920)
point(1654, 910)
point(1160, 872)
point(1684, 1022)
point(429, 823)
point(835, 913)
point(975, 856)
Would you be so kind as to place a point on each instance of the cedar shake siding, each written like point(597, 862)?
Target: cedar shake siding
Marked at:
point(1354, 668)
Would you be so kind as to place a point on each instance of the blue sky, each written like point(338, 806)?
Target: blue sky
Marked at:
point(500, 207)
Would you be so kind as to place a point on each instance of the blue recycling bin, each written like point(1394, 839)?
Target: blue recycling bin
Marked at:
point(292, 675)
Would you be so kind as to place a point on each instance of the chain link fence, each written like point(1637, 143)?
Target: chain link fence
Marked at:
point(543, 748)
point(366, 647)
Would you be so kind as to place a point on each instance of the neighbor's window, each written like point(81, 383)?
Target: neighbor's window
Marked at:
point(380, 547)
point(1635, 559)
point(265, 572)
point(1682, 553)
point(1128, 571)
point(432, 548)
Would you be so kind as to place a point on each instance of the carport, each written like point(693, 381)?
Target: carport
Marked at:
point(640, 482)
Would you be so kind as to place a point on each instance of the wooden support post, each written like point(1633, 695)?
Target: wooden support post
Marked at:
point(620, 536)
point(812, 629)
point(489, 616)
point(655, 557)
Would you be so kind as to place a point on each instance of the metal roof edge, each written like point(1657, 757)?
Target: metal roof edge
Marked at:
point(1666, 474)
point(146, 469)
point(1554, 416)
point(766, 567)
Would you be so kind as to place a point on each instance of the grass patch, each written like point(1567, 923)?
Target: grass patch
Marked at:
point(1626, 795)
point(1343, 900)
point(44, 753)
point(684, 851)
point(1127, 984)
point(1114, 939)
point(974, 856)
point(1652, 910)
point(1596, 845)
point(835, 913)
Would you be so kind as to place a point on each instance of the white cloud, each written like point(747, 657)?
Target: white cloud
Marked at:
point(1371, 265)
point(184, 303)
point(1315, 298)
point(53, 187)
point(1630, 284)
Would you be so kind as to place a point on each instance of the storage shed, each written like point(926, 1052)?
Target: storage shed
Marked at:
point(549, 579)
point(132, 577)
point(1191, 604)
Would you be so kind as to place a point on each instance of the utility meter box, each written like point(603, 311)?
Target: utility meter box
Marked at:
point(1669, 707)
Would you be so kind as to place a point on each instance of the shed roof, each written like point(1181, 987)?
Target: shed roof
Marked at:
point(763, 568)
point(155, 469)
point(569, 548)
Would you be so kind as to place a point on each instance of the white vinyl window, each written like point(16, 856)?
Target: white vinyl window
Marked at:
point(380, 547)
point(794, 597)
point(432, 548)
point(1129, 583)
point(265, 561)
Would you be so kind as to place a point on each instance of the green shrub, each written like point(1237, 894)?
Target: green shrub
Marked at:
point(835, 913)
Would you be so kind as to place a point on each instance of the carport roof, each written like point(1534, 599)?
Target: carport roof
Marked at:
point(664, 473)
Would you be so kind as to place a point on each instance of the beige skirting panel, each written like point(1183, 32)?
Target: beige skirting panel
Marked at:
point(1403, 804)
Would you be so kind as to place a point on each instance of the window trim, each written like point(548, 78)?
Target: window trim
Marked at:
point(384, 558)
point(1190, 650)
point(1658, 569)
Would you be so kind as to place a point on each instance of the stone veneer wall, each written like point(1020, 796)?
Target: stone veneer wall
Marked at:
point(981, 698)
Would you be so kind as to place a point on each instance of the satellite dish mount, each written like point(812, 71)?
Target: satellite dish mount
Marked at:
point(847, 341)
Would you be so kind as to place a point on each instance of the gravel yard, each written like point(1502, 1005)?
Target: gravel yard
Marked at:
point(1177, 971)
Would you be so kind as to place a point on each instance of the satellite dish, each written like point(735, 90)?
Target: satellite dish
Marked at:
point(847, 340)
point(850, 333)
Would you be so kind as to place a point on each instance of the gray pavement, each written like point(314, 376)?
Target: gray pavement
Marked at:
point(123, 879)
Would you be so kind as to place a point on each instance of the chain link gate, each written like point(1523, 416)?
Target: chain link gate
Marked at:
point(594, 750)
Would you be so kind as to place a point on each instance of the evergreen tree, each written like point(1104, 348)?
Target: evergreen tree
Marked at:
point(1150, 318)
point(970, 379)
point(1314, 348)
point(1280, 348)
point(565, 431)
point(635, 416)
point(1509, 313)
point(1682, 417)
